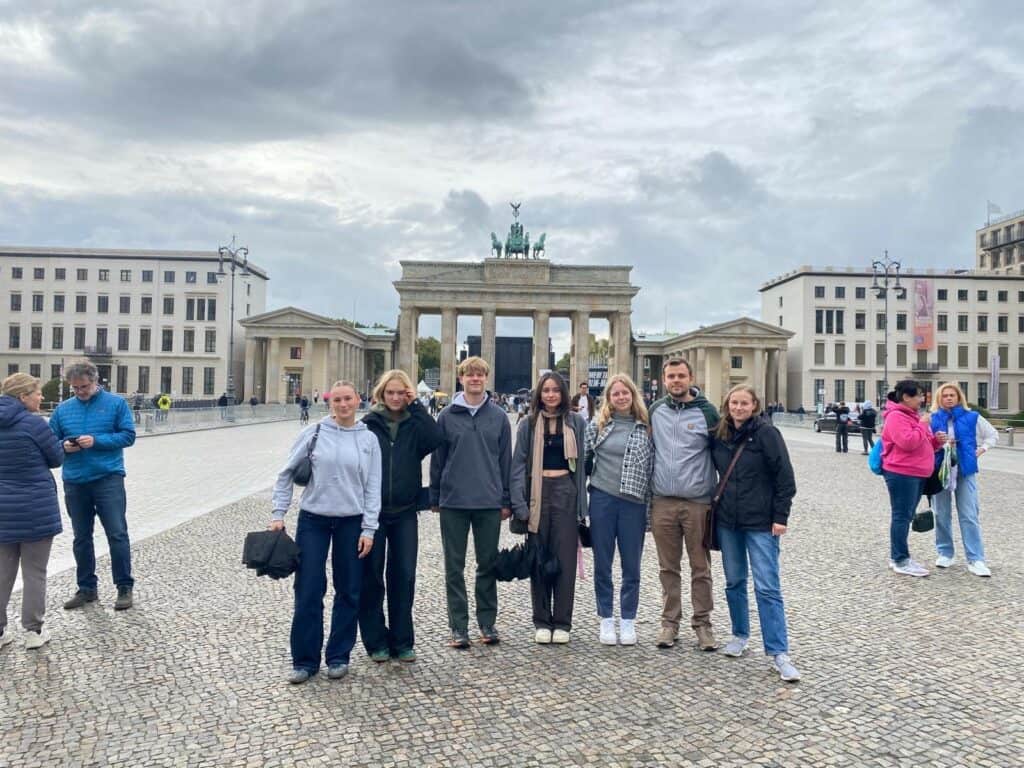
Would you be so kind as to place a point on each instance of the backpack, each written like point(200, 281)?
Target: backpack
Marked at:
point(875, 457)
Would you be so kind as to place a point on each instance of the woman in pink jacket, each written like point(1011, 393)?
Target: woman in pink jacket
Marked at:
point(908, 458)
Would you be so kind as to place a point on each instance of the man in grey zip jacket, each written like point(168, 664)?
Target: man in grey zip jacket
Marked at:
point(469, 486)
point(682, 485)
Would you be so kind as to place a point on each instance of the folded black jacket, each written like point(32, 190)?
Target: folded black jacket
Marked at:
point(270, 553)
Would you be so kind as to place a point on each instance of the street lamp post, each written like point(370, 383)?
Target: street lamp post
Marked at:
point(888, 270)
point(231, 253)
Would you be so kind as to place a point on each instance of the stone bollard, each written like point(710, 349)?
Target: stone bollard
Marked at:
point(1009, 440)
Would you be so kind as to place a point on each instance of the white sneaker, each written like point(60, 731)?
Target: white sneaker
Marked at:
point(6, 638)
point(943, 562)
point(735, 647)
point(978, 568)
point(785, 668)
point(627, 632)
point(560, 636)
point(910, 568)
point(38, 639)
point(608, 632)
point(542, 636)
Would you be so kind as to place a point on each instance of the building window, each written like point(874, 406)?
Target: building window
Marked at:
point(819, 321)
point(1002, 296)
point(211, 278)
point(860, 292)
point(901, 321)
point(55, 371)
point(101, 340)
point(860, 320)
point(819, 353)
point(880, 354)
point(983, 394)
point(35, 369)
point(1020, 327)
point(146, 307)
point(165, 378)
point(15, 302)
point(39, 273)
point(81, 304)
point(828, 321)
point(961, 323)
point(168, 305)
point(879, 321)
point(57, 337)
point(167, 340)
point(126, 277)
point(35, 340)
point(102, 304)
point(1002, 324)
point(983, 355)
point(1020, 361)
point(942, 294)
point(901, 355)
point(37, 302)
point(962, 352)
point(208, 380)
point(735, 361)
point(943, 356)
point(839, 387)
point(211, 310)
point(860, 353)
point(186, 380)
point(859, 389)
point(982, 323)
point(922, 358)
point(211, 341)
point(190, 277)
point(840, 292)
point(104, 275)
point(14, 337)
point(840, 352)
point(819, 291)
point(248, 292)
point(943, 321)
point(200, 310)
point(122, 378)
point(168, 276)
point(143, 378)
point(12, 368)
point(81, 275)
point(79, 344)
point(961, 294)
point(780, 298)
point(122, 339)
point(125, 305)
point(58, 302)
point(982, 295)
point(189, 341)
point(147, 277)
point(247, 313)
point(16, 273)
point(190, 309)
point(819, 391)
point(1004, 362)
point(144, 339)
point(60, 273)
point(295, 353)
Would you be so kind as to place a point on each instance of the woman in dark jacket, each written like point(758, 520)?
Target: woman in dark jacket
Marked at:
point(407, 433)
point(29, 513)
point(548, 492)
point(751, 514)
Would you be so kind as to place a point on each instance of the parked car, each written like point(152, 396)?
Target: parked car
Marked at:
point(827, 423)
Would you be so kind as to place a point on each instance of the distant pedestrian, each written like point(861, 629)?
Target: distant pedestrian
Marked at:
point(137, 406)
point(29, 512)
point(583, 402)
point(316, 396)
point(95, 427)
point(253, 402)
point(163, 405)
point(338, 514)
point(842, 412)
point(868, 420)
point(304, 410)
point(222, 403)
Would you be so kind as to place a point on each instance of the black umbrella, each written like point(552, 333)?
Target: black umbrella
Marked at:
point(516, 562)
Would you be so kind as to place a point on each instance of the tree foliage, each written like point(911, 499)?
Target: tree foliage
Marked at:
point(428, 352)
point(51, 391)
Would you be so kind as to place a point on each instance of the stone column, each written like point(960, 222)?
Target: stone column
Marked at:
point(361, 368)
point(781, 378)
point(449, 322)
point(307, 369)
point(249, 380)
point(488, 348)
point(389, 360)
point(759, 381)
point(580, 354)
point(408, 326)
point(541, 334)
point(771, 383)
point(273, 383)
point(702, 370)
point(622, 340)
point(724, 373)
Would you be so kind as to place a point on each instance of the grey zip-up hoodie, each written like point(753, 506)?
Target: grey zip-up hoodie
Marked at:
point(471, 468)
point(346, 474)
point(682, 454)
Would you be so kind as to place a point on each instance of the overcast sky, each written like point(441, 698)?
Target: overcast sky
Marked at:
point(710, 145)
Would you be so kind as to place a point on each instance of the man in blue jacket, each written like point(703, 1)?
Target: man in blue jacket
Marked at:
point(95, 427)
point(469, 486)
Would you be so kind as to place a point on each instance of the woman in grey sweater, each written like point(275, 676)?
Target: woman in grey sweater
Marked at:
point(338, 510)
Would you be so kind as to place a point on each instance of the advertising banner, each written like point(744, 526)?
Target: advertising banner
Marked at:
point(924, 315)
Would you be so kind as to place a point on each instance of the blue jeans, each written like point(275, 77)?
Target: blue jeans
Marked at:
point(103, 498)
point(316, 534)
point(904, 493)
point(616, 521)
point(966, 511)
point(762, 549)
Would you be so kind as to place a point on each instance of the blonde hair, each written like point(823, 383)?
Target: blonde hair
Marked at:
point(345, 383)
point(471, 364)
point(959, 393)
point(386, 378)
point(637, 407)
point(726, 425)
point(20, 384)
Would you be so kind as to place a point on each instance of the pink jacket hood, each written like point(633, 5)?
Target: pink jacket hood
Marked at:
point(909, 445)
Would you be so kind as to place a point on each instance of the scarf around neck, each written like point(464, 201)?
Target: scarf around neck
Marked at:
point(537, 467)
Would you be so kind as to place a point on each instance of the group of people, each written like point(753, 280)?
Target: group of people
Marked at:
point(709, 482)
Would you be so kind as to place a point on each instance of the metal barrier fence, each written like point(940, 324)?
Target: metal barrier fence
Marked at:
point(794, 420)
point(154, 421)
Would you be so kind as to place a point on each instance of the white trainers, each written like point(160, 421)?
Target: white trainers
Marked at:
point(542, 636)
point(735, 647)
point(943, 562)
point(560, 637)
point(627, 632)
point(38, 639)
point(978, 568)
point(910, 568)
point(785, 668)
point(608, 632)
point(6, 638)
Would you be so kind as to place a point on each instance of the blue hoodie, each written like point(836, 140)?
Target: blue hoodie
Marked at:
point(108, 419)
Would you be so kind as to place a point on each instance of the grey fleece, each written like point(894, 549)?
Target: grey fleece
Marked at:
point(346, 474)
point(682, 455)
point(471, 468)
point(607, 474)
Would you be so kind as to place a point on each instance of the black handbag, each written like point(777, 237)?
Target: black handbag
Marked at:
point(517, 526)
point(304, 471)
point(923, 521)
point(584, 535)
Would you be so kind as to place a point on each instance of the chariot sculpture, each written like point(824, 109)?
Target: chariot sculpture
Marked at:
point(517, 243)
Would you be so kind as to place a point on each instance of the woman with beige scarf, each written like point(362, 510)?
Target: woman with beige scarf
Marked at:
point(548, 491)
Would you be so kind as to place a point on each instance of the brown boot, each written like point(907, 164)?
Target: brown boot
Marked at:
point(667, 637)
point(706, 639)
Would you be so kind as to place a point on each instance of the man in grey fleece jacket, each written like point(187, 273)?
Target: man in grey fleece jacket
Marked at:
point(682, 485)
point(469, 486)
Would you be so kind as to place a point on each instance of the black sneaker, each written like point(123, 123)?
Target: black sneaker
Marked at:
point(460, 639)
point(489, 636)
point(81, 597)
point(124, 599)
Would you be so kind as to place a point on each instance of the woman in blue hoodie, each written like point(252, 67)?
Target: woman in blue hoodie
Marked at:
point(29, 513)
point(338, 513)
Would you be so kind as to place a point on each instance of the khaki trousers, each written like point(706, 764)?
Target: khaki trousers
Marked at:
point(675, 522)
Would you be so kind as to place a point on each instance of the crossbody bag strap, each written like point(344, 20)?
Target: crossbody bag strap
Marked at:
point(312, 443)
point(725, 477)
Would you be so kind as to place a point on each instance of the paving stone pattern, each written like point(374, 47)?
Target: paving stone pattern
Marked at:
point(897, 671)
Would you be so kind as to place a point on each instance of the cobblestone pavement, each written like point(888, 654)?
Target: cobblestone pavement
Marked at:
point(897, 671)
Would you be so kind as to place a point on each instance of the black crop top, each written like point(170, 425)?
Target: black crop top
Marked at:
point(554, 451)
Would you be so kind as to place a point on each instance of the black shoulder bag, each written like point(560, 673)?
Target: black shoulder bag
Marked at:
point(304, 471)
point(710, 540)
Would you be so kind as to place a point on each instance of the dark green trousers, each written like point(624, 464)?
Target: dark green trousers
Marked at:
point(455, 526)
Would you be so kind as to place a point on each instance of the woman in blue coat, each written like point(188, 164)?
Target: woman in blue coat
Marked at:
point(29, 513)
